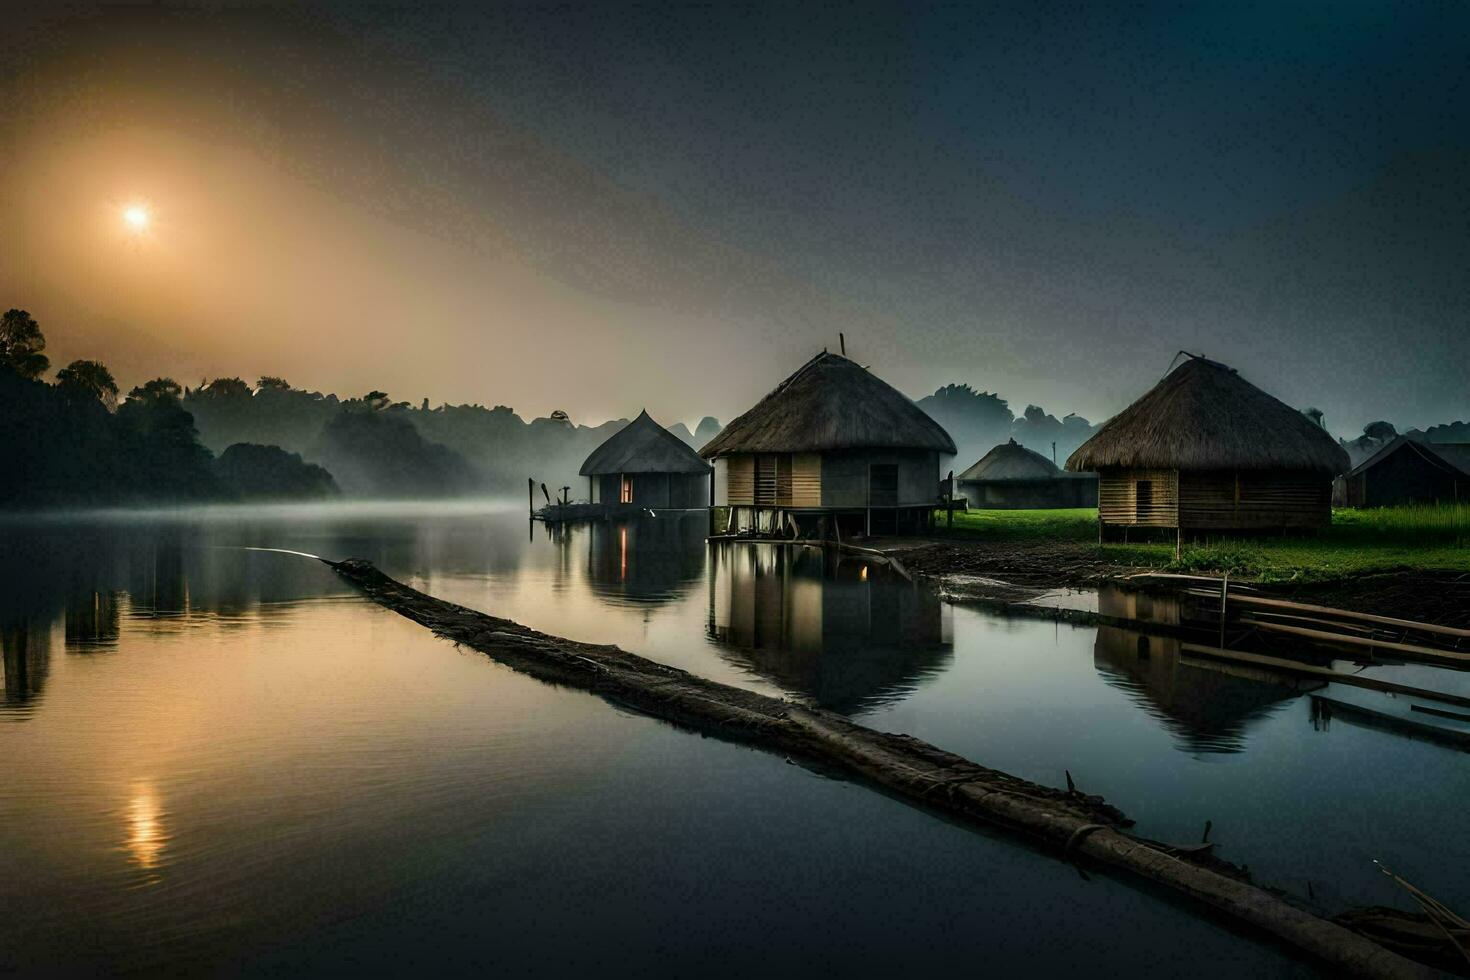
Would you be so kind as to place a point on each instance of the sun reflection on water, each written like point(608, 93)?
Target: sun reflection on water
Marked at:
point(146, 836)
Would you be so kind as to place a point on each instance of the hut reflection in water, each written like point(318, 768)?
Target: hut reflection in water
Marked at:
point(846, 634)
point(1207, 706)
point(647, 559)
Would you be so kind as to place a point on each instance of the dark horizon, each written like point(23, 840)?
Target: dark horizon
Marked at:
point(603, 210)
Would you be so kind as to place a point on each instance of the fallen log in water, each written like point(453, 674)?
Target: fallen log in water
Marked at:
point(1067, 821)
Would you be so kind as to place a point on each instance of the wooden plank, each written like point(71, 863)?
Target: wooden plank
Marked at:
point(1407, 651)
point(1311, 670)
point(1349, 614)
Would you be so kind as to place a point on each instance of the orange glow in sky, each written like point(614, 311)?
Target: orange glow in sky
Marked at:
point(136, 216)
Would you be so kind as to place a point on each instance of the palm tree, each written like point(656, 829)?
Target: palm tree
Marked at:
point(88, 380)
point(21, 343)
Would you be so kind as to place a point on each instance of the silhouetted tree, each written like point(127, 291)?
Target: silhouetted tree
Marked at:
point(157, 390)
point(376, 400)
point(271, 381)
point(21, 343)
point(1380, 431)
point(88, 380)
point(254, 472)
point(224, 388)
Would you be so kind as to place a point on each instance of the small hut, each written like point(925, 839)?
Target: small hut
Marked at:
point(1409, 472)
point(1012, 477)
point(833, 446)
point(644, 465)
point(1206, 450)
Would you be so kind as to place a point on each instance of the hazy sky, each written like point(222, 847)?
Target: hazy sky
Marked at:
point(598, 209)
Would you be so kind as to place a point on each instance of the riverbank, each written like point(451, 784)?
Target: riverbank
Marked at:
point(1364, 562)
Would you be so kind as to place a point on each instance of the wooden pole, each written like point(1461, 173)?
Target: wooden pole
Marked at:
point(1224, 598)
point(531, 495)
point(1325, 673)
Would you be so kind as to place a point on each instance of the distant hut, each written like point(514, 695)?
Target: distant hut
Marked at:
point(1206, 450)
point(1409, 472)
point(833, 444)
point(1012, 477)
point(644, 465)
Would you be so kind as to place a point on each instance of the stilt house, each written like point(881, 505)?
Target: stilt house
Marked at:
point(832, 449)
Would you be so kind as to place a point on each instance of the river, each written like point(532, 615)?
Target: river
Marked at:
point(221, 760)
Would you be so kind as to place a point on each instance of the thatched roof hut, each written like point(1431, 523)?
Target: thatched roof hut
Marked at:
point(643, 446)
point(1011, 461)
point(1012, 477)
point(831, 440)
point(1207, 450)
point(645, 465)
point(1205, 416)
point(830, 403)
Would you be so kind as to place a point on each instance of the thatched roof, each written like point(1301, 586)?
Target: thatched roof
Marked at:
point(643, 446)
point(1204, 416)
point(830, 403)
point(1012, 461)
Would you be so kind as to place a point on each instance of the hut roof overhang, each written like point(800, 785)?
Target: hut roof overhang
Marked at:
point(643, 446)
point(1205, 416)
point(831, 403)
point(1011, 461)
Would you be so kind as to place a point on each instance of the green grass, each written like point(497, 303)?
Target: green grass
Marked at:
point(1079, 524)
point(1358, 542)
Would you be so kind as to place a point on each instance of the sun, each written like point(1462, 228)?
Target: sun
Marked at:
point(136, 216)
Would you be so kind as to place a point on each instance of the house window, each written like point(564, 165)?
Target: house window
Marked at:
point(626, 495)
point(1143, 500)
point(767, 472)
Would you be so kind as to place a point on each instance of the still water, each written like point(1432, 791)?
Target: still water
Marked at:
point(219, 760)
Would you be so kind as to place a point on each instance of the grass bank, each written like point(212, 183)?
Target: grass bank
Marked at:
point(1359, 542)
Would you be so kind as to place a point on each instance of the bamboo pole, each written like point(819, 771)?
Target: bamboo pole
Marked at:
point(1407, 651)
point(1336, 676)
point(1408, 624)
point(913, 770)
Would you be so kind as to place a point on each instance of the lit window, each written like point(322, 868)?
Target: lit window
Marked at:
point(627, 494)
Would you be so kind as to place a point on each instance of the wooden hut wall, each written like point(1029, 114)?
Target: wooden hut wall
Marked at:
point(1254, 499)
point(1117, 497)
point(672, 490)
point(846, 475)
point(806, 480)
point(738, 479)
point(688, 490)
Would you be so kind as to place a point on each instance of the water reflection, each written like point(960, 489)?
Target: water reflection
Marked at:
point(93, 620)
point(26, 661)
point(647, 559)
point(1207, 706)
point(144, 832)
point(847, 635)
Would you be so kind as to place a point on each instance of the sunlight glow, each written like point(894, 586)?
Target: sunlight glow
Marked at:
point(136, 216)
point(145, 834)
